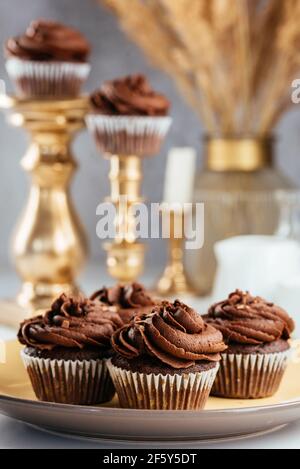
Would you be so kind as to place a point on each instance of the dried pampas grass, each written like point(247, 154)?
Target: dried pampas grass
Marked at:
point(233, 60)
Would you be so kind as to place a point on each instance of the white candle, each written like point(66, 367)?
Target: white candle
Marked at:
point(180, 176)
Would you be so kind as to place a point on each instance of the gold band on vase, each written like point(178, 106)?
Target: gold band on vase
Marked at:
point(238, 154)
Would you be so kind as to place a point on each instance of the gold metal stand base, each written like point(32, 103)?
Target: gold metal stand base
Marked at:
point(49, 245)
point(40, 295)
point(174, 283)
point(125, 261)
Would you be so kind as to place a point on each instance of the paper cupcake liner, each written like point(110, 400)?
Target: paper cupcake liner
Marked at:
point(84, 382)
point(34, 79)
point(129, 135)
point(250, 376)
point(162, 392)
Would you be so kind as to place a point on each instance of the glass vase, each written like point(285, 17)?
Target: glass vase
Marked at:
point(243, 193)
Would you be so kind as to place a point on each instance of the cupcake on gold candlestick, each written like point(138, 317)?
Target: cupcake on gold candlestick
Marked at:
point(48, 64)
point(179, 184)
point(49, 60)
point(129, 122)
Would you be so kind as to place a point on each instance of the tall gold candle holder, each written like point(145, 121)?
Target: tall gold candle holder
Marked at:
point(125, 256)
point(174, 280)
point(177, 206)
point(49, 245)
point(126, 141)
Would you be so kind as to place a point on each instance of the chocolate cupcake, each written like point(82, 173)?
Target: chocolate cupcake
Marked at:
point(129, 300)
point(48, 61)
point(66, 351)
point(167, 359)
point(257, 333)
point(129, 117)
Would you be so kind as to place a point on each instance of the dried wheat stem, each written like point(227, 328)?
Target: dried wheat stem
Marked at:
point(233, 60)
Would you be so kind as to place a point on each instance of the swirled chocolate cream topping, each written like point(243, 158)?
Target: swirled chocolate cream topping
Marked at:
point(129, 96)
point(49, 41)
point(129, 300)
point(173, 333)
point(245, 319)
point(75, 323)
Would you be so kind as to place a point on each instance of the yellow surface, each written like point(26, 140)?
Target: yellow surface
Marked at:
point(15, 383)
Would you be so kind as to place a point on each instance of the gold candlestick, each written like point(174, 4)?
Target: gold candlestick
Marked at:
point(126, 141)
point(125, 256)
point(174, 280)
point(49, 246)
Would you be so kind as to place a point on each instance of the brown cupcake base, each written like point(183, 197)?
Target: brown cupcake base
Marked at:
point(150, 365)
point(121, 143)
point(128, 135)
point(276, 346)
point(47, 79)
point(82, 382)
point(41, 89)
point(178, 391)
point(250, 376)
point(63, 353)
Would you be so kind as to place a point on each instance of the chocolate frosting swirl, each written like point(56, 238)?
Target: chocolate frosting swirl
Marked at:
point(132, 295)
point(128, 300)
point(174, 334)
point(244, 319)
point(48, 40)
point(71, 322)
point(129, 96)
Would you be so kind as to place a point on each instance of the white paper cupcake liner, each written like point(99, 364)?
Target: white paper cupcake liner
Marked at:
point(35, 79)
point(84, 382)
point(162, 392)
point(250, 376)
point(129, 135)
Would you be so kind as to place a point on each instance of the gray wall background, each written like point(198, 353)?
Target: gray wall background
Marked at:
point(113, 55)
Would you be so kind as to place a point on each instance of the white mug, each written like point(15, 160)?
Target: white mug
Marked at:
point(258, 264)
point(287, 295)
